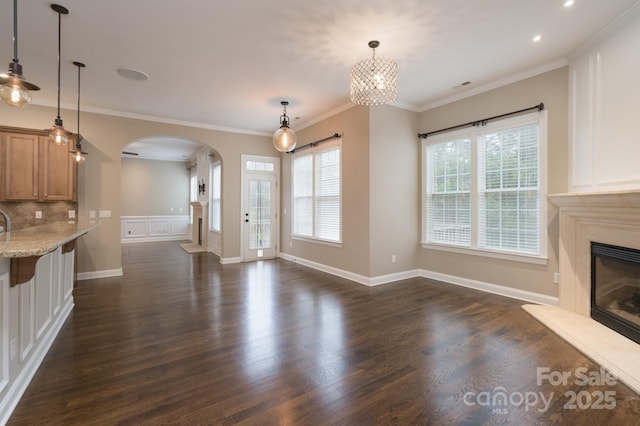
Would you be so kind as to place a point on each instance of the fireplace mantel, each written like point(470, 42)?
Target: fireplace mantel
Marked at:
point(605, 217)
point(617, 199)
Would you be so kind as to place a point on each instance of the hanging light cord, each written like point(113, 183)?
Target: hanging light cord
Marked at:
point(59, 54)
point(78, 146)
point(15, 31)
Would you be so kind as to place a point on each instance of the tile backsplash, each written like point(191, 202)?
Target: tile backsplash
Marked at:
point(23, 214)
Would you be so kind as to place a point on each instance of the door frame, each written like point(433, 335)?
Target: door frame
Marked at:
point(244, 158)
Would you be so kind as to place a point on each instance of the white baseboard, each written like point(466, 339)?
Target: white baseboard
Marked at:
point(20, 384)
point(361, 279)
point(153, 239)
point(389, 278)
point(228, 260)
point(449, 279)
point(99, 274)
point(500, 290)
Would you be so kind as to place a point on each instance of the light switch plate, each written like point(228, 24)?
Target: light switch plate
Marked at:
point(105, 213)
point(72, 214)
point(38, 214)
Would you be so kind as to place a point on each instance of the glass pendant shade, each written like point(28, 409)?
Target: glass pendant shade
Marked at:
point(374, 81)
point(284, 139)
point(58, 134)
point(14, 89)
point(78, 154)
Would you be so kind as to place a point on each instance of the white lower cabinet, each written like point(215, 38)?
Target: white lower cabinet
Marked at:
point(32, 315)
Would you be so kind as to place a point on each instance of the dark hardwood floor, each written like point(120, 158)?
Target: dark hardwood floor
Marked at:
point(182, 339)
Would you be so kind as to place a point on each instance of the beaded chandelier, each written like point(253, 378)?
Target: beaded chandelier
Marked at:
point(374, 81)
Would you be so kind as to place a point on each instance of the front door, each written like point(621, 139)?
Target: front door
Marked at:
point(260, 220)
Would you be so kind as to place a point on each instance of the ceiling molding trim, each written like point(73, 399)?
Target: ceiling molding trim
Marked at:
point(123, 114)
point(614, 26)
point(153, 158)
point(497, 84)
point(324, 116)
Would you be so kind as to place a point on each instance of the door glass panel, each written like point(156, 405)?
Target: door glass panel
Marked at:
point(259, 214)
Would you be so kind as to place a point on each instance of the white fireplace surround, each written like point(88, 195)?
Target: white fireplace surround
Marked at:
point(604, 217)
point(199, 241)
point(200, 211)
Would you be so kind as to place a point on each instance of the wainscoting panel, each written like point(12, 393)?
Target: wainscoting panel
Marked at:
point(154, 228)
point(43, 286)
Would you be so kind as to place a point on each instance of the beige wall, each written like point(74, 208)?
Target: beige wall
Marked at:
point(394, 190)
point(552, 89)
point(353, 256)
point(99, 177)
point(154, 188)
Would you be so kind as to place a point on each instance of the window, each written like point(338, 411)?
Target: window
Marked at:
point(193, 193)
point(484, 187)
point(214, 206)
point(316, 192)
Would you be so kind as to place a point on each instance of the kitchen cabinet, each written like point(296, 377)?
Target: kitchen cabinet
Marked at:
point(36, 169)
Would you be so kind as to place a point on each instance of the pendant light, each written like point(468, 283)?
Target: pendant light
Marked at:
point(77, 152)
point(14, 89)
point(58, 134)
point(374, 81)
point(284, 139)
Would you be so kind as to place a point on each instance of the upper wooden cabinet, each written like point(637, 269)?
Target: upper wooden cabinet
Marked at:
point(36, 169)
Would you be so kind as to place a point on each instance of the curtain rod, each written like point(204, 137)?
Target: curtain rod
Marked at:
point(310, 144)
point(482, 122)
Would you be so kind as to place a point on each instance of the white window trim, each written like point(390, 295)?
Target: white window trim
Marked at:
point(322, 147)
point(536, 117)
point(211, 183)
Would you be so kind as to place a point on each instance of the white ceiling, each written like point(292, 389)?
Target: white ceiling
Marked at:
point(228, 64)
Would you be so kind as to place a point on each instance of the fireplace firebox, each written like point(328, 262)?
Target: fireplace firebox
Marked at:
point(615, 288)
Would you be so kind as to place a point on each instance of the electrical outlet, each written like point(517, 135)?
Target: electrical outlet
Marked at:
point(92, 214)
point(38, 214)
point(393, 258)
point(72, 214)
point(556, 278)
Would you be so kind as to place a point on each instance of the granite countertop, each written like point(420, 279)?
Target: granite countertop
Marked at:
point(42, 239)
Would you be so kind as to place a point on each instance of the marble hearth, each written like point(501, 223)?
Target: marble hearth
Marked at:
point(609, 218)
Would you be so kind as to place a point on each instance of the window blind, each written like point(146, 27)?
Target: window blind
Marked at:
point(316, 192)
point(327, 195)
point(508, 207)
point(302, 171)
point(448, 192)
point(484, 188)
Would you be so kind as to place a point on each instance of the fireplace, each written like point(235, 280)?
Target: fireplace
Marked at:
point(615, 288)
point(608, 218)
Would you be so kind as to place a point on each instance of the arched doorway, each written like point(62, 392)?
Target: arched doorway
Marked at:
point(162, 177)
